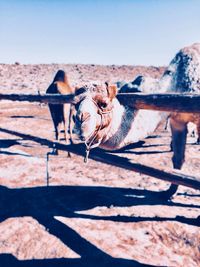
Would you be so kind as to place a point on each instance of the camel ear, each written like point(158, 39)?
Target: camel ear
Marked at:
point(111, 89)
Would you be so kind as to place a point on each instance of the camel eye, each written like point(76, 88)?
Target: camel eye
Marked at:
point(168, 72)
point(103, 105)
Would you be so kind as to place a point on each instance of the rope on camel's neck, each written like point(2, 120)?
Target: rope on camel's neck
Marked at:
point(90, 145)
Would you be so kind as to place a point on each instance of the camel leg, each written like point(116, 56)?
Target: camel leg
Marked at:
point(179, 135)
point(198, 132)
point(57, 136)
point(56, 132)
point(178, 144)
point(55, 124)
point(66, 111)
point(171, 147)
point(59, 129)
point(71, 122)
point(57, 118)
point(166, 123)
point(67, 118)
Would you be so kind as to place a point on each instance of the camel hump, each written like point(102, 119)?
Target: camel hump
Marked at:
point(64, 88)
point(60, 76)
point(193, 51)
point(62, 83)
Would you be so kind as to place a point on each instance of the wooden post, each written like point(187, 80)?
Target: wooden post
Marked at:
point(47, 98)
point(105, 157)
point(189, 103)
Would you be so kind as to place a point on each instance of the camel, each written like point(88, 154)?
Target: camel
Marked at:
point(101, 121)
point(141, 84)
point(104, 122)
point(99, 111)
point(60, 113)
point(183, 76)
point(146, 84)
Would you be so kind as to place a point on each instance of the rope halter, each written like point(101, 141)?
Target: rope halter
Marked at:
point(89, 142)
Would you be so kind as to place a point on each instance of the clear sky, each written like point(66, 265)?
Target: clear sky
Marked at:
point(135, 32)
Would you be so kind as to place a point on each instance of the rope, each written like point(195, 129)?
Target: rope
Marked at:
point(90, 145)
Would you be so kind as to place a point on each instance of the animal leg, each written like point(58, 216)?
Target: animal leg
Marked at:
point(56, 129)
point(171, 147)
point(66, 111)
point(179, 135)
point(67, 119)
point(59, 127)
point(71, 122)
point(167, 122)
point(198, 133)
point(56, 133)
point(55, 114)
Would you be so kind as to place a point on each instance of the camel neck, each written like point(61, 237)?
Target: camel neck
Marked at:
point(114, 135)
point(129, 126)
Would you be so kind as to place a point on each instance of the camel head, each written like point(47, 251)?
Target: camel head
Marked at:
point(182, 74)
point(93, 112)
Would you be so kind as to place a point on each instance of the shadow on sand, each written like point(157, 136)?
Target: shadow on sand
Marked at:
point(44, 203)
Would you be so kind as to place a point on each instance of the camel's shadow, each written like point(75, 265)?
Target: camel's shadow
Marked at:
point(43, 203)
point(67, 200)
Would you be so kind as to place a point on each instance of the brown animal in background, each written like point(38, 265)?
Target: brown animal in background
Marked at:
point(60, 113)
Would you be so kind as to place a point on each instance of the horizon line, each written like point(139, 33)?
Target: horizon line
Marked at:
point(95, 64)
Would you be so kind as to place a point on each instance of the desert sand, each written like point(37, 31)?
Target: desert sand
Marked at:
point(90, 214)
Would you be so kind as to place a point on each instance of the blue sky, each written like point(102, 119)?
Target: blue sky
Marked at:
point(134, 32)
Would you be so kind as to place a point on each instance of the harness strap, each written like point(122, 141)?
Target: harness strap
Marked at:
point(90, 145)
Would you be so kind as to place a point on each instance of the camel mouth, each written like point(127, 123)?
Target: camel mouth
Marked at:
point(80, 135)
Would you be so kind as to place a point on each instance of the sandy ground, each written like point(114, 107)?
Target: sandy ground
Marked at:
point(91, 214)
